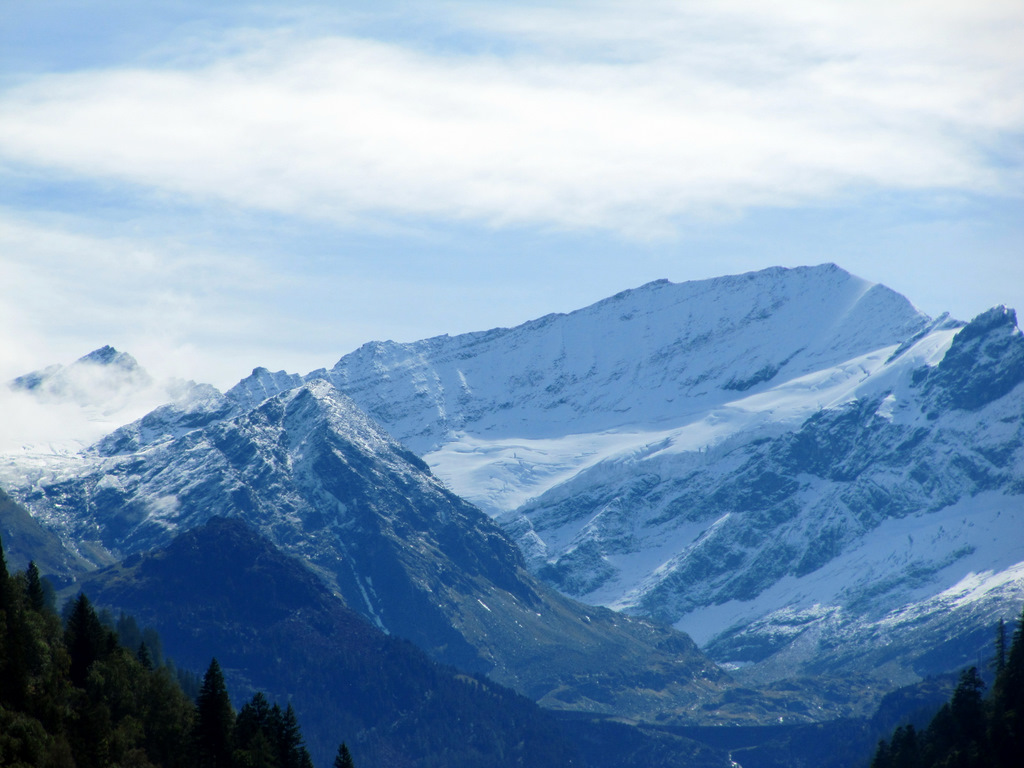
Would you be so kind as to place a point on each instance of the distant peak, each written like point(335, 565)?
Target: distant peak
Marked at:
point(261, 384)
point(104, 354)
point(107, 355)
point(660, 281)
point(989, 320)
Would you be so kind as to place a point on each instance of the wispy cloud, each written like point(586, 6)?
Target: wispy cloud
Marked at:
point(67, 293)
point(598, 117)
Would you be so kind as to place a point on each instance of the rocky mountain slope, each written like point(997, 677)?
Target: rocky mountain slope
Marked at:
point(796, 467)
point(274, 627)
point(898, 505)
point(321, 481)
point(779, 463)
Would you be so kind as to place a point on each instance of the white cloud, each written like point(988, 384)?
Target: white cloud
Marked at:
point(594, 117)
point(88, 402)
point(67, 293)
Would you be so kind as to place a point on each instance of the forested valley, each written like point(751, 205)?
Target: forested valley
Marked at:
point(972, 730)
point(84, 691)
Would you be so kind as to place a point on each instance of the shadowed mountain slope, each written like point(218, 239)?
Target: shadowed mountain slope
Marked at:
point(319, 479)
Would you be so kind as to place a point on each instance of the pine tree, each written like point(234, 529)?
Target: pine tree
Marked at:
point(1000, 660)
point(4, 579)
point(343, 759)
point(253, 717)
point(292, 751)
point(34, 588)
point(1006, 728)
point(128, 633)
point(970, 731)
point(254, 743)
point(15, 641)
point(143, 657)
point(86, 639)
point(4, 604)
point(968, 708)
point(215, 720)
point(155, 646)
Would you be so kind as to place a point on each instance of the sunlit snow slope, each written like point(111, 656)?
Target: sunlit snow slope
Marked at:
point(795, 466)
point(771, 461)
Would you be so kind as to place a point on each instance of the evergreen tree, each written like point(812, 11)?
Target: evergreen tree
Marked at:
point(215, 720)
point(905, 748)
point(1000, 660)
point(970, 731)
point(344, 760)
point(254, 716)
point(1006, 727)
point(143, 656)
point(118, 711)
point(34, 588)
point(86, 639)
point(292, 751)
point(4, 579)
point(254, 741)
point(128, 633)
point(155, 646)
point(968, 709)
point(269, 737)
point(4, 604)
point(16, 643)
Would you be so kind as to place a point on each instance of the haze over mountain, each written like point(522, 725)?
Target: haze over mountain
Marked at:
point(68, 407)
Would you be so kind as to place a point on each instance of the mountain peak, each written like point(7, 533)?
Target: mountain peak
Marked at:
point(261, 384)
point(998, 317)
point(105, 379)
point(118, 368)
point(985, 361)
point(107, 355)
point(647, 356)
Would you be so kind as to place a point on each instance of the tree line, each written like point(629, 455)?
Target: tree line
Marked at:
point(972, 730)
point(81, 692)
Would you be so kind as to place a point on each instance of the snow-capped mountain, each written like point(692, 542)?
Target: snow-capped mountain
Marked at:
point(504, 415)
point(903, 488)
point(319, 479)
point(797, 467)
point(771, 461)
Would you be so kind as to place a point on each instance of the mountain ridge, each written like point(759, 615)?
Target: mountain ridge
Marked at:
point(321, 481)
point(796, 465)
point(873, 369)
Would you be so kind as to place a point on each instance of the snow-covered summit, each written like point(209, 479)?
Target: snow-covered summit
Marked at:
point(654, 355)
point(731, 452)
point(814, 514)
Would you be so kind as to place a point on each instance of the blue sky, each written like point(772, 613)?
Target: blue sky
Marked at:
point(213, 189)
